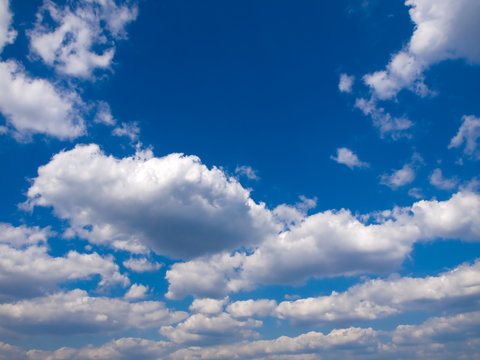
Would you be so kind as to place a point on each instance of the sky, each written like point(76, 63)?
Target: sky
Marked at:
point(239, 179)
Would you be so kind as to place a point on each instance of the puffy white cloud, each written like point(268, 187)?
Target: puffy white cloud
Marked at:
point(136, 291)
point(330, 243)
point(141, 265)
point(347, 157)
point(381, 298)
point(76, 312)
point(394, 127)
point(247, 171)
point(400, 177)
point(468, 133)
point(346, 83)
point(437, 180)
point(83, 37)
point(208, 306)
point(444, 29)
point(35, 106)
point(26, 268)
point(7, 34)
point(250, 308)
point(201, 328)
point(104, 114)
point(174, 204)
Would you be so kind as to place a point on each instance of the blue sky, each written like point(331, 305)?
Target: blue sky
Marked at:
point(248, 180)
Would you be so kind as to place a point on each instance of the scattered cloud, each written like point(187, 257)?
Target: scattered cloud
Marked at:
point(347, 157)
point(7, 33)
point(83, 36)
point(437, 180)
point(104, 114)
point(130, 130)
point(136, 291)
point(398, 178)
point(247, 171)
point(346, 83)
point(141, 265)
point(468, 134)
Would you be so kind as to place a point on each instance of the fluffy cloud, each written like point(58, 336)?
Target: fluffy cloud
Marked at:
point(201, 328)
point(7, 34)
point(129, 130)
point(26, 268)
point(83, 37)
point(381, 298)
point(246, 171)
point(330, 243)
point(469, 133)
point(393, 127)
point(141, 265)
point(173, 205)
point(437, 180)
point(400, 177)
point(346, 83)
point(250, 308)
point(347, 157)
point(208, 306)
point(136, 291)
point(35, 106)
point(75, 312)
point(444, 29)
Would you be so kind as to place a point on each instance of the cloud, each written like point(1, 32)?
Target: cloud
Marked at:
point(104, 114)
point(141, 265)
point(136, 291)
point(376, 299)
point(75, 312)
point(444, 29)
point(204, 329)
point(330, 243)
point(468, 133)
point(129, 130)
point(398, 178)
point(83, 35)
point(250, 308)
point(35, 106)
point(437, 180)
point(174, 205)
point(7, 34)
point(347, 157)
point(208, 306)
point(346, 83)
point(247, 171)
point(390, 126)
point(26, 268)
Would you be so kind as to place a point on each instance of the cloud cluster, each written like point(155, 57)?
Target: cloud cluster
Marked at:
point(330, 243)
point(26, 268)
point(444, 29)
point(83, 36)
point(468, 134)
point(173, 205)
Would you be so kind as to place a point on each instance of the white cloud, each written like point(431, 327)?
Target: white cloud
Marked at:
point(250, 308)
point(437, 180)
point(35, 106)
point(347, 157)
point(136, 291)
point(174, 204)
point(247, 171)
point(75, 312)
point(444, 29)
point(26, 268)
point(130, 130)
point(200, 328)
point(141, 265)
point(376, 299)
point(104, 114)
point(208, 306)
point(330, 243)
point(468, 133)
point(84, 37)
point(7, 34)
point(346, 83)
point(400, 177)
point(393, 127)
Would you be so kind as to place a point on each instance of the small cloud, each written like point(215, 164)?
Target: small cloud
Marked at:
point(141, 265)
point(416, 193)
point(468, 133)
point(347, 157)
point(136, 291)
point(104, 115)
point(346, 83)
point(129, 130)
point(399, 178)
point(247, 171)
point(437, 180)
